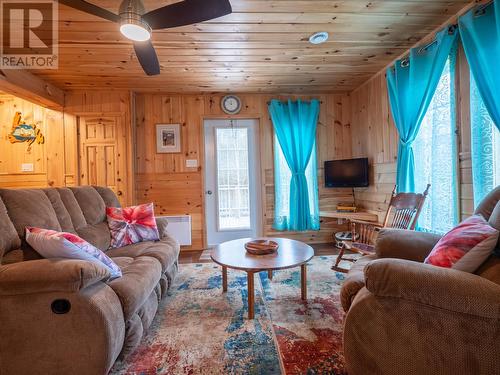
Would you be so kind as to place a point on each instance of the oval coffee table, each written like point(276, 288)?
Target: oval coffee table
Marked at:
point(291, 253)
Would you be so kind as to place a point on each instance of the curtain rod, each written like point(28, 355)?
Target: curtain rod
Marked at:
point(269, 102)
point(479, 10)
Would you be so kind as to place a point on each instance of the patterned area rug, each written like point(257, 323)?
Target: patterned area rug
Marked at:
point(200, 330)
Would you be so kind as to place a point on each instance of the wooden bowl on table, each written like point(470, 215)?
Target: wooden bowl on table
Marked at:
point(261, 247)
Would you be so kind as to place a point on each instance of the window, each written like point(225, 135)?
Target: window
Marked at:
point(283, 177)
point(435, 158)
point(485, 147)
point(232, 178)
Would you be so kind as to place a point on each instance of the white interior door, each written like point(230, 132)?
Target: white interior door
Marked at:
point(232, 180)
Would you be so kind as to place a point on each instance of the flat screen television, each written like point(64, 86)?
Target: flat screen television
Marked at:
point(346, 173)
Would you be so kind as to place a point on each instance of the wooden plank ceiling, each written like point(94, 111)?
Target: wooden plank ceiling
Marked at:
point(262, 47)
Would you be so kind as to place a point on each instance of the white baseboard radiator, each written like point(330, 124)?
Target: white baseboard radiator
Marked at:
point(180, 228)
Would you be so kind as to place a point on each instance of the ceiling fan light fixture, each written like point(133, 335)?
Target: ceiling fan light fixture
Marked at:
point(136, 31)
point(132, 26)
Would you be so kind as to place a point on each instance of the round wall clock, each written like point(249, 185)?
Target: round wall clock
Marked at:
point(231, 104)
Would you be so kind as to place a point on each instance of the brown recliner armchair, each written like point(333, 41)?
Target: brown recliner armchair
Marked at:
point(406, 317)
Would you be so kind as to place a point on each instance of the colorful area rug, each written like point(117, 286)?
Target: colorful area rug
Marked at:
point(200, 330)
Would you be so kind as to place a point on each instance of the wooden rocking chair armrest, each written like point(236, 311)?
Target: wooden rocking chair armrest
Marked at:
point(363, 222)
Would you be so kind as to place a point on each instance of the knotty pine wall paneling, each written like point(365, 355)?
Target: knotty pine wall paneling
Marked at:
point(375, 137)
point(176, 189)
point(53, 161)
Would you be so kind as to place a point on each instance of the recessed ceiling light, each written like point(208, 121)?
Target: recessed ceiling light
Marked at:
point(318, 38)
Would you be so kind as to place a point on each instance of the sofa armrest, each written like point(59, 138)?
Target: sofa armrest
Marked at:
point(405, 244)
point(439, 287)
point(49, 275)
point(162, 224)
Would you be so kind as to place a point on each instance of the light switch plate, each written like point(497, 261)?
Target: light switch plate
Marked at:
point(191, 163)
point(27, 167)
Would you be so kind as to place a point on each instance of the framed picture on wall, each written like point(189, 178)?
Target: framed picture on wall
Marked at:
point(168, 138)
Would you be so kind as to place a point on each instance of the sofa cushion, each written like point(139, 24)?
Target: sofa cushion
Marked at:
point(74, 210)
point(490, 269)
point(131, 225)
point(354, 281)
point(139, 278)
point(98, 235)
point(16, 256)
point(9, 239)
point(488, 204)
point(52, 244)
point(494, 219)
point(91, 203)
point(108, 195)
point(62, 213)
point(166, 251)
point(29, 208)
point(466, 246)
point(162, 224)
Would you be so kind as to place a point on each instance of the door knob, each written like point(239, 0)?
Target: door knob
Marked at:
point(209, 192)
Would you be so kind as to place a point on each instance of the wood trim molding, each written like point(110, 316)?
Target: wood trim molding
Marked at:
point(30, 87)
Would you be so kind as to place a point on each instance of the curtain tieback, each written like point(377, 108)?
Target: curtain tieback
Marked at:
point(405, 144)
point(294, 174)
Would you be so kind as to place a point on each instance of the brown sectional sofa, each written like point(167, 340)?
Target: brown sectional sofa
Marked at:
point(406, 317)
point(60, 316)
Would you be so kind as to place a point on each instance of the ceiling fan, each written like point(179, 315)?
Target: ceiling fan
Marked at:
point(137, 25)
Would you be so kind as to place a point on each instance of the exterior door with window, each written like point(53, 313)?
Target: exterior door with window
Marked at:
point(232, 180)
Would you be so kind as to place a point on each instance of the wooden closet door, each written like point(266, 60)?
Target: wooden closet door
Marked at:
point(98, 158)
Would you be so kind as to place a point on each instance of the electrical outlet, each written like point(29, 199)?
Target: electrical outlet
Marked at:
point(191, 163)
point(27, 167)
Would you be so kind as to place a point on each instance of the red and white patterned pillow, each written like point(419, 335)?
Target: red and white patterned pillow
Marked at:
point(466, 246)
point(53, 244)
point(130, 225)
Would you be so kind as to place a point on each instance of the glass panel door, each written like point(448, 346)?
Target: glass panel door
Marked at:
point(232, 180)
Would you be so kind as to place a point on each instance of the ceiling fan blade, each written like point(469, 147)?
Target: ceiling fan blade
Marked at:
point(91, 9)
point(146, 55)
point(187, 12)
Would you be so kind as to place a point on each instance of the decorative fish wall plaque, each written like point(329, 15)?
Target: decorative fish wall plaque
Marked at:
point(22, 132)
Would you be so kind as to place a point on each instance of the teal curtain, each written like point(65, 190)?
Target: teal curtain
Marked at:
point(480, 34)
point(411, 85)
point(485, 147)
point(295, 129)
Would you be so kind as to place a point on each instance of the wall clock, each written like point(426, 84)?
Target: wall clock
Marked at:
point(231, 104)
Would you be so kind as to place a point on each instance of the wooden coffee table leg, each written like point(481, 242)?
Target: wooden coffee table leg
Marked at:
point(303, 281)
point(270, 274)
point(251, 295)
point(224, 279)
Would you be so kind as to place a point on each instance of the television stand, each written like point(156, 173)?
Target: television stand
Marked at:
point(341, 216)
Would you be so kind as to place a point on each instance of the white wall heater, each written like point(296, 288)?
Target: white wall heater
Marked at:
point(180, 228)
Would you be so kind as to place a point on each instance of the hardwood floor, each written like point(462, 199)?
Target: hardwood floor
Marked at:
point(203, 256)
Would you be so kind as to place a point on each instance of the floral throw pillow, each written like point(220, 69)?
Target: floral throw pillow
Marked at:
point(466, 246)
point(54, 244)
point(132, 224)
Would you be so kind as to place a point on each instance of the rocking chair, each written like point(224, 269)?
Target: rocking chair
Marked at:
point(402, 213)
